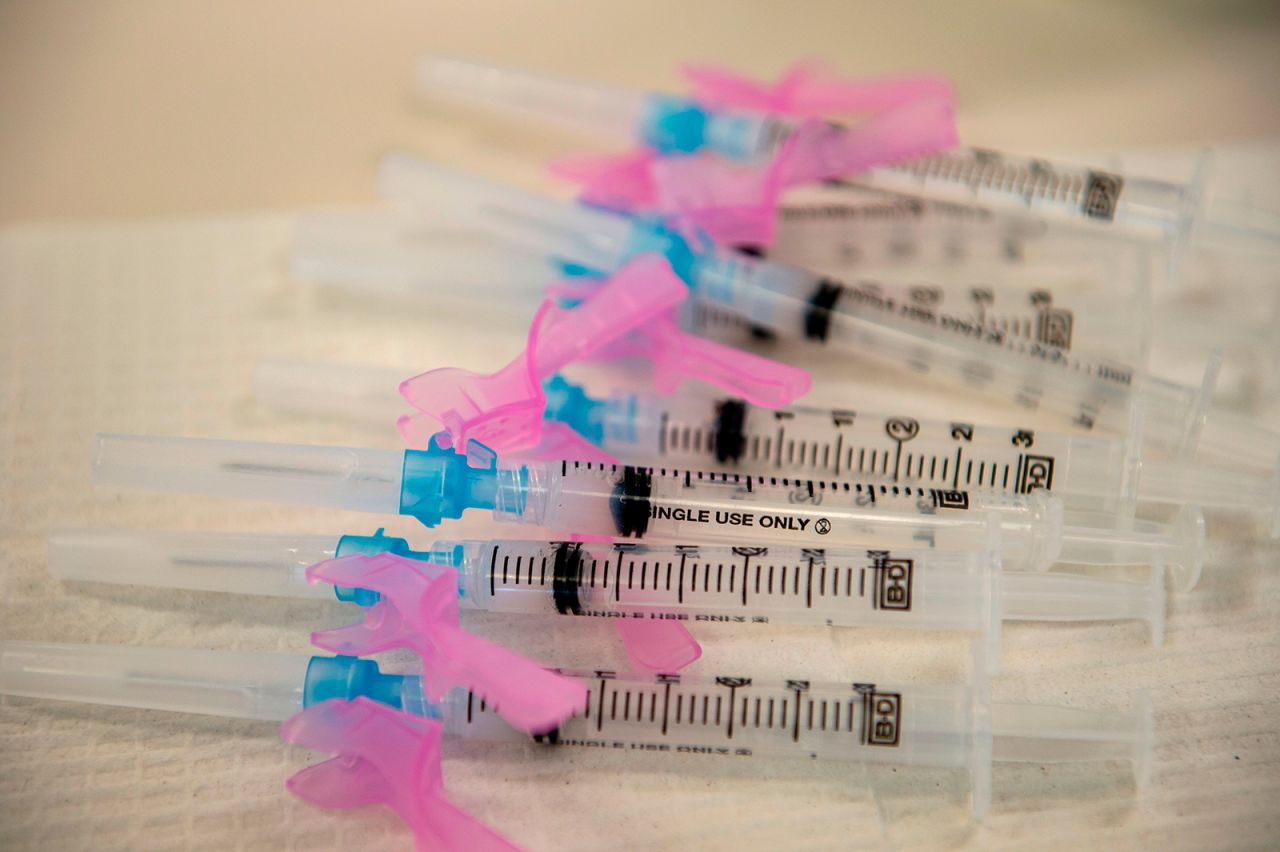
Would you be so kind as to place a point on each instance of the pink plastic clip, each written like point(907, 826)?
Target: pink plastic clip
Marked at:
point(678, 357)
point(914, 129)
point(809, 89)
point(384, 757)
point(418, 610)
point(619, 181)
point(910, 117)
point(732, 204)
point(660, 646)
point(504, 410)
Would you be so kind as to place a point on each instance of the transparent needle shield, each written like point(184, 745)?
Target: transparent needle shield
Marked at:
point(364, 480)
point(261, 564)
point(242, 685)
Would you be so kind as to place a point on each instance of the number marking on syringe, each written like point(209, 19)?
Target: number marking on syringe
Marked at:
point(788, 714)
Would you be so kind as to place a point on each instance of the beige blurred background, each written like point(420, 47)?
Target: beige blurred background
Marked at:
point(147, 108)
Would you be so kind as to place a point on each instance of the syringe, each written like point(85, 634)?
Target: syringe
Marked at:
point(1077, 195)
point(888, 235)
point(1089, 472)
point(650, 504)
point(394, 256)
point(903, 331)
point(905, 724)
point(842, 587)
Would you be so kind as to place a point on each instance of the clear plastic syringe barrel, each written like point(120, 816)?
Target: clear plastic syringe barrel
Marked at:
point(262, 564)
point(908, 724)
point(836, 587)
point(837, 224)
point(706, 432)
point(242, 685)
point(362, 480)
point(684, 505)
point(1047, 306)
point(1090, 473)
point(1054, 191)
point(917, 724)
point(923, 589)
point(1092, 392)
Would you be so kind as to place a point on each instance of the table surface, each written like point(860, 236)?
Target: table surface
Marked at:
point(155, 325)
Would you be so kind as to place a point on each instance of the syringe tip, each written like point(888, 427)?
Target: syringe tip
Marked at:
point(1189, 527)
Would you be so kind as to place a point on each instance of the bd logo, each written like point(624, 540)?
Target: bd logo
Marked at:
point(1102, 193)
point(1034, 472)
point(1053, 327)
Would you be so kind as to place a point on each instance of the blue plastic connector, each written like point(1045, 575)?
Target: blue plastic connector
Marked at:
point(675, 125)
point(439, 482)
point(569, 404)
point(653, 235)
point(348, 678)
point(379, 542)
point(569, 269)
point(575, 270)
